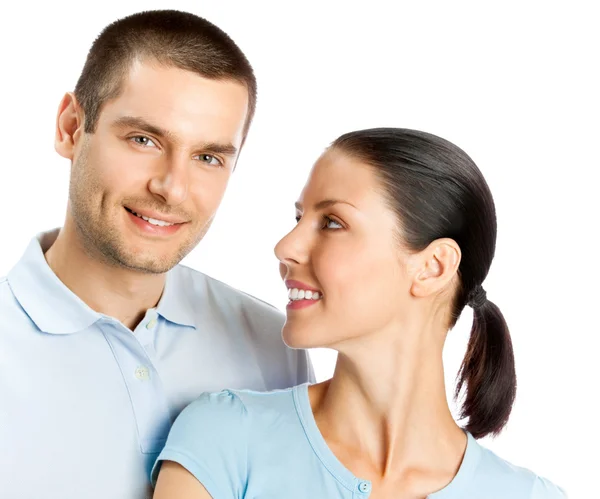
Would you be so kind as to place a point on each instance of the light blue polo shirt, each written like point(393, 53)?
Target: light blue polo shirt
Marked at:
point(86, 404)
point(247, 445)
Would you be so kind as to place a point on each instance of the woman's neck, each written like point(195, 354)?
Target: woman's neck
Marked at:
point(387, 404)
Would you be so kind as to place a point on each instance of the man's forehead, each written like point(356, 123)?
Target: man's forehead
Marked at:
point(186, 105)
point(156, 84)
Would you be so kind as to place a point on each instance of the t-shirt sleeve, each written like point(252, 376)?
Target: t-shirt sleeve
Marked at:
point(209, 439)
point(545, 489)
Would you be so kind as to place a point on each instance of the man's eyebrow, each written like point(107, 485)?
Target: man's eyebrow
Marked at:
point(142, 124)
point(326, 203)
point(214, 147)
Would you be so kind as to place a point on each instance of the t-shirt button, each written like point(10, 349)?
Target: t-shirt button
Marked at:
point(364, 487)
point(142, 373)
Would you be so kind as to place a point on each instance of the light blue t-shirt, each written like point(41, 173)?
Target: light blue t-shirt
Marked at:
point(246, 445)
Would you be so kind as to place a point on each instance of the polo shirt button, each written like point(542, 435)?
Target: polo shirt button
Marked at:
point(364, 487)
point(151, 324)
point(142, 373)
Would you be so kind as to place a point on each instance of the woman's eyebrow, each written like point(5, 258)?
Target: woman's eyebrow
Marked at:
point(326, 203)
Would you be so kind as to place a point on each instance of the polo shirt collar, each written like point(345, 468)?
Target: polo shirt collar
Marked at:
point(53, 307)
point(180, 299)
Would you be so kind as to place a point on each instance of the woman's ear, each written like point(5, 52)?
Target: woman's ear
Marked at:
point(438, 264)
point(69, 126)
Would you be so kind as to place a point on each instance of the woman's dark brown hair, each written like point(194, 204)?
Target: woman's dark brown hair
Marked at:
point(437, 191)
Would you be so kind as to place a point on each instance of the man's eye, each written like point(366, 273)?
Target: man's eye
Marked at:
point(143, 141)
point(210, 159)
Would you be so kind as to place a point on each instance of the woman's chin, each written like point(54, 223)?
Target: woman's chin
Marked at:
point(298, 337)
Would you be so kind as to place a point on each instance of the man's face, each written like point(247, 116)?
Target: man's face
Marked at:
point(146, 184)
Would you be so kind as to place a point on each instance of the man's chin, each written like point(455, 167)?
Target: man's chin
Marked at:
point(140, 254)
point(151, 265)
point(146, 262)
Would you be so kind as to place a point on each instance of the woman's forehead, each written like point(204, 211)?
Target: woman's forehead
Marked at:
point(337, 175)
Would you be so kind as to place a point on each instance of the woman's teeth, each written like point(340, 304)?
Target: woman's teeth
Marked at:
point(295, 294)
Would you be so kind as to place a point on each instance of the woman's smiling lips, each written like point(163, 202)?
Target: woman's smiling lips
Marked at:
point(301, 295)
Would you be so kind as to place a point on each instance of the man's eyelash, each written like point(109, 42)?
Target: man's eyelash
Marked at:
point(219, 160)
point(135, 139)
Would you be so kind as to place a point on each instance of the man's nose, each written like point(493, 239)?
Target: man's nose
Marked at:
point(171, 183)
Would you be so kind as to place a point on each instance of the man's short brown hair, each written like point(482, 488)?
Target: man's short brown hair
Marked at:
point(169, 37)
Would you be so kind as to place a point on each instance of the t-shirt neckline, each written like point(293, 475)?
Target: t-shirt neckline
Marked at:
point(455, 489)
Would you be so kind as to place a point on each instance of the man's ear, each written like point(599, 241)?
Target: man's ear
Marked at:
point(69, 126)
point(438, 264)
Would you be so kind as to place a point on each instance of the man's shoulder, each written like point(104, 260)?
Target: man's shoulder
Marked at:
point(14, 317)
point(6, 294)
point(255, 324)
point(204, 284)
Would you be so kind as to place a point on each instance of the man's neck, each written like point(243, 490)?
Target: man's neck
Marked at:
point(112, 290)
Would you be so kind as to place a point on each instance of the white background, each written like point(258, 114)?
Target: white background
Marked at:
point(515, 85)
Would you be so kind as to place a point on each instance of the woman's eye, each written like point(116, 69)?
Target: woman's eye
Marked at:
point(330, 224)
point(143, 141)
point(210, 159)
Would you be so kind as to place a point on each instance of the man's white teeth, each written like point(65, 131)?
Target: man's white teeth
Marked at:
point(153, 221)
point(301, 294)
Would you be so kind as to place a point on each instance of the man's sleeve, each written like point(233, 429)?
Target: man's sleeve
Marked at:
point(306, 372)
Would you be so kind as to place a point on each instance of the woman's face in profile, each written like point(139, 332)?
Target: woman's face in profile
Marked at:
point(345, 249)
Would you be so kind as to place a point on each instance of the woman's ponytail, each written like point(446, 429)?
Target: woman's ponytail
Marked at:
point(487, 372)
